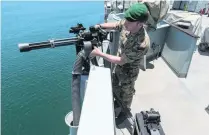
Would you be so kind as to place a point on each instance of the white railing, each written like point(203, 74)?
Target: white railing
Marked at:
point(97, 115)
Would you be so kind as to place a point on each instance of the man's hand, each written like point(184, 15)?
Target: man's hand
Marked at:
point(97, 26)
point(95, 52)
point(110, 58)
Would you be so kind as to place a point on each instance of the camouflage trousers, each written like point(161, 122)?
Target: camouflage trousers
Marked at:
point(123, 79)
point(123, 85)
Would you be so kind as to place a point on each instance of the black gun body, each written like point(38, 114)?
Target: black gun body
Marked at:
point(146, 124)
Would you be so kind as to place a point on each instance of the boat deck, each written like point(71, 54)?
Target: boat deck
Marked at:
point(181, 102)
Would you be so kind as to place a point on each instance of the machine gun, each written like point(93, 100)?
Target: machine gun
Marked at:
point(84, 42)
point(148, 123)
point(95, 36)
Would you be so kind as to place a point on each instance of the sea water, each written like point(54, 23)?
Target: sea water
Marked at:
point(36, 85)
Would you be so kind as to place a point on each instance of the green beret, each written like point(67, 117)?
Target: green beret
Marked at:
point(137, 12)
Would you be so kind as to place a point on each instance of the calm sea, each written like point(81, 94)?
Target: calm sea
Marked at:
point(36, 85)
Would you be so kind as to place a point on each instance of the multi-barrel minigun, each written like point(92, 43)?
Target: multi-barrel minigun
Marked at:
point(94, 35)
point(84, 42)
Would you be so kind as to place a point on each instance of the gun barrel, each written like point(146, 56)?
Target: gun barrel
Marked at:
point(24, 47)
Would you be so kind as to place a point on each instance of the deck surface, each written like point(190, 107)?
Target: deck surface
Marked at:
point(181, 102)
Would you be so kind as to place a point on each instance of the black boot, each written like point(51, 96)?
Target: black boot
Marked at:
point(117, 109)
point(121, 118)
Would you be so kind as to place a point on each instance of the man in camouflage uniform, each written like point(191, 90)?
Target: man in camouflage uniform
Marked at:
point(133, 45)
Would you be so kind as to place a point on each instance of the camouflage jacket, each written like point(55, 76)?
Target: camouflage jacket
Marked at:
point(132, 48)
